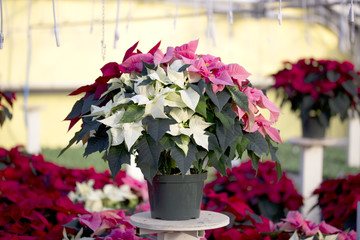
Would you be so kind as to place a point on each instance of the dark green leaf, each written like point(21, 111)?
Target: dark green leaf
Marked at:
point(217, 163)
point(99, 142)
point(333, 76)
point(312, 77)
point(279, 172)
point(76, 109)
point(145, 82)
point(86, 108)
point(133, 113)
point(87, 126)
point(167, 142)
point(223, 98)
point(157, 127)
point(184, 162)
point(254, 160)
point(213, 142)
point(239, 97)
point(74, 224)
point(351, 87)
point(212, 95)
point(225, 136)
point(147, 66)
point(184, 67)
point(148, 159)
point(116, 157)
point(339, 104)
point(257, 143)
point(7, 113)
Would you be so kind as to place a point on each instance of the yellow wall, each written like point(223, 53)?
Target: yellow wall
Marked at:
point(259, 45)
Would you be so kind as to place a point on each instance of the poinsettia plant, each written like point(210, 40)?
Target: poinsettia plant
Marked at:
point(173, 112)
point(319, 88)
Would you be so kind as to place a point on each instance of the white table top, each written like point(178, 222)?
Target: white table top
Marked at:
point(322, 142)
point(207, 220)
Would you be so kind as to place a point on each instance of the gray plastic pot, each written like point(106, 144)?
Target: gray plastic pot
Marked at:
point(312, 128)
point(176, 197)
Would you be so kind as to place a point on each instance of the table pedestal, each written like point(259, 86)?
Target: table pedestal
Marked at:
point(178, 230)
point(311, 171)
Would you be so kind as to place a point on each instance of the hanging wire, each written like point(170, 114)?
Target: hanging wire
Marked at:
point(92, 16)
point(176, 13)
point(351, 12)
point(1, 28)
point(305, 20)
point(230, 13)
point(103, 45)
point(116, 37)
point(28, 65)
point(210, 17)
point(55, 26)
point(280, 14)
point(129, 16)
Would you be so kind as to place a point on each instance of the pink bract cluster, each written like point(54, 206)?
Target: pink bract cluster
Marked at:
point(33, 195)
point(207, 67)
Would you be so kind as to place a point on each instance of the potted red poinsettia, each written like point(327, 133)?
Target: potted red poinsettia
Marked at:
point(177, 113)
point(319, 90)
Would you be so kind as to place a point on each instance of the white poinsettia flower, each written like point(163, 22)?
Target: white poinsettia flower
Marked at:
point(198, 125)
point(94, 206)
point(118, 194)
point(190, 97)
point(128, 132)
point(113, 120)
point(101, 111)
point(155, 107)
point(147, 90)
point(181, 114)
point(178, 129)
point(173, 99)
point(176, 65)
point(159, 75)
point(140, 99)
point(176, 77)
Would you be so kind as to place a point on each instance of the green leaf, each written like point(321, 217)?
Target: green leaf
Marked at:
point(86, 108)
point(182, 161)
point(76, 109)
point(133, 113)
point(225, 120)
point(257, 143)
point(219, 99)
point(239, 97)
point(116, 157)
point(71, 142)
point(167, 141)
point(183, 144)
point(148, 159)
point(254, 160)
point(333, 76)
point(217, 163)
point(213, 142)
point(157, 127)
point(201, 107)
point(351, 87)
point(242, 144)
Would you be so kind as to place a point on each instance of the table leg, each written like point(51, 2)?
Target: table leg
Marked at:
point(193, 235)
point(310, 178)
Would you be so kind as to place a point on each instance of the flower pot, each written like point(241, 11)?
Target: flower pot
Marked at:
point(312, 128)
point(176, 197)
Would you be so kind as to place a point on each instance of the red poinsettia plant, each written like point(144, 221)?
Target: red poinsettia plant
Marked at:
point(319, 88)
point(338, 199)
point(173, 112)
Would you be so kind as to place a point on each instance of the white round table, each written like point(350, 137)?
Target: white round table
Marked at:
point(178, 230)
